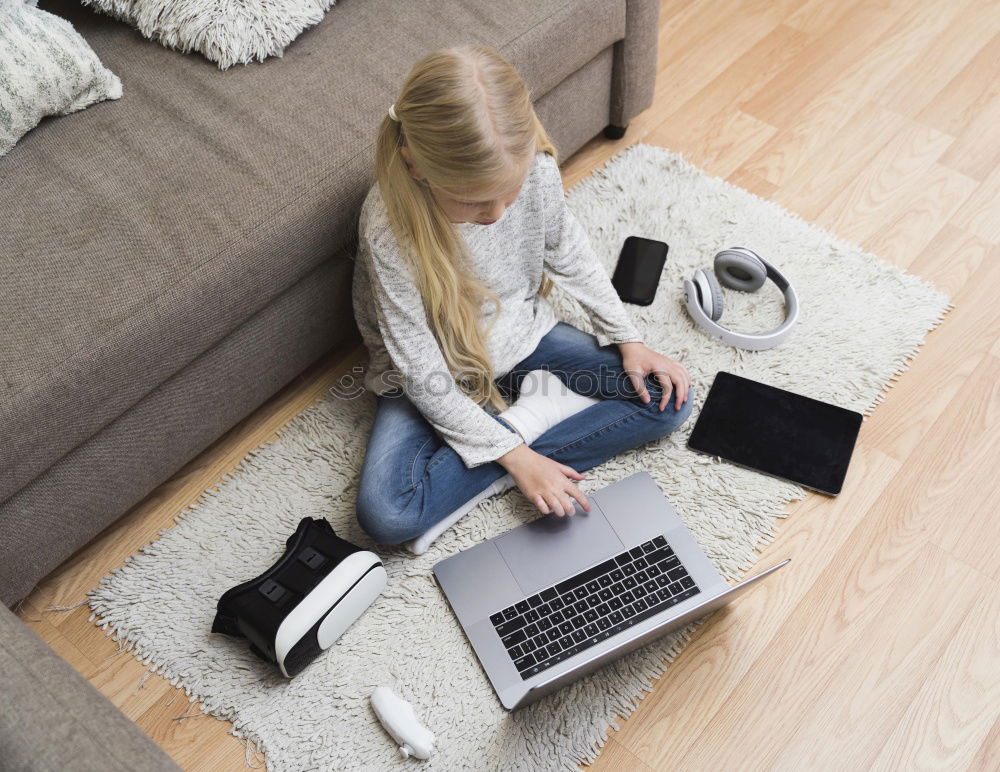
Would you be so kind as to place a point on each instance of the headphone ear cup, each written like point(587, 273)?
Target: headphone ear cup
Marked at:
point(740, 269)
point(715, 293)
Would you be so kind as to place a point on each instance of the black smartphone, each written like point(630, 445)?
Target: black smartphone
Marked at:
point(637, 274)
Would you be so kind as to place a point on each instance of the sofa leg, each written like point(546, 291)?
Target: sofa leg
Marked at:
point(614, 132)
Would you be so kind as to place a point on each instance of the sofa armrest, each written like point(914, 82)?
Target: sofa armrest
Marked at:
point(51, 717)
point(633, 78)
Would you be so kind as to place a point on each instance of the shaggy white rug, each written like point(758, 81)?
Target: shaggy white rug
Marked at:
point(861, 320)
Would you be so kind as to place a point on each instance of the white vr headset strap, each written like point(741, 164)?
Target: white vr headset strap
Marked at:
point(759, 341)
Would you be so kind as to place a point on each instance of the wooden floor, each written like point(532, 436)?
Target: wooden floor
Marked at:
point(880, 645)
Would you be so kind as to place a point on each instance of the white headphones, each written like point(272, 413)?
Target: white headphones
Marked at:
point(740, 269)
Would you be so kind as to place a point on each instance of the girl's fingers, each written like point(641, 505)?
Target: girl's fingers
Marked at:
point(543, 507)
point(565, 503)
point(664, 380)
point(568, 506)
point(680, 391)
point(639, 384)
point(570, 471)
point(577, 494)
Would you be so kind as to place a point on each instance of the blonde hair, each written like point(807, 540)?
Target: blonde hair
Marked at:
point(467, 118)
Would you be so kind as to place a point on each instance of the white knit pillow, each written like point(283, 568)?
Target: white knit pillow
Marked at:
point(46, 68)
point(227, 32)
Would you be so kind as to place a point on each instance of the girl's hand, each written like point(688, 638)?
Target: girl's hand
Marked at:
point(638, 361)
point(544, 482)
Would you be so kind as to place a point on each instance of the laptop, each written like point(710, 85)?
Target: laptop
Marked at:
point(553, 600)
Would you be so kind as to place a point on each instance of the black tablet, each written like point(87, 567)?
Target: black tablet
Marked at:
point(777, 432)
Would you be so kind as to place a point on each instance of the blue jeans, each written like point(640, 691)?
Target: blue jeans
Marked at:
point(411, 478)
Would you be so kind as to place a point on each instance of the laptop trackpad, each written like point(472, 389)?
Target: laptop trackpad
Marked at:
point(554, 548)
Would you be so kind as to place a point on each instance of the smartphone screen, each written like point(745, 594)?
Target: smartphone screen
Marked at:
point(637, 273)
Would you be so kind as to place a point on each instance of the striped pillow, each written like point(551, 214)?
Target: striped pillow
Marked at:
point(46, 68)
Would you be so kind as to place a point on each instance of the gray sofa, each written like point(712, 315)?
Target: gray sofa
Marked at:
point(170, 260)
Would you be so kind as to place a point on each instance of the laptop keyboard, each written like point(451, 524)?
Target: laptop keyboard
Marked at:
point(584, 610)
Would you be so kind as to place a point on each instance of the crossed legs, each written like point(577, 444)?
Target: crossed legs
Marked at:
point(411, 478)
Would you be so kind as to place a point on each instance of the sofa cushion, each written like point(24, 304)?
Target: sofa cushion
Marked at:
point(51, 717)
point(141, 232)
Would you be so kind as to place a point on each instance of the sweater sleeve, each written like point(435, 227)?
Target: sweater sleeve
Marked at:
point(474, 434)
point(573, 265)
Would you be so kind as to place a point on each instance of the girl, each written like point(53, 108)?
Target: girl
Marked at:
point(451, 301)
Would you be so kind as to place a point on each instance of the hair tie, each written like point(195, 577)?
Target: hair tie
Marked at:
point(392, 112)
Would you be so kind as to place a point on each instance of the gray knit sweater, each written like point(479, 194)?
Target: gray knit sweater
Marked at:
point(537, 231)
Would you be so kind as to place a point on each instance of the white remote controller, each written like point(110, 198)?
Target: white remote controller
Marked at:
point(399, 720)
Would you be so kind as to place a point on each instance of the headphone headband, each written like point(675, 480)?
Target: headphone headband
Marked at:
point(759, 341)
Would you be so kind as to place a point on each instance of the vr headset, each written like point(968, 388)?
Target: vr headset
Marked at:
point(298, 607)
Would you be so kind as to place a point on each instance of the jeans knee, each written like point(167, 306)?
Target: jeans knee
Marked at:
point(671, 418)
point(381, 526)
point(380, 518)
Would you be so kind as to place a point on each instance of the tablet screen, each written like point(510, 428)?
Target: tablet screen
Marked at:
point(777, 432)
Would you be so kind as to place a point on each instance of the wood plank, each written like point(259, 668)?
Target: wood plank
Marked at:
point(961, 100)
point(812, 100)
point(702, 680)
point(988, 758)
point(195, 740)
point(939, 194)
point(675, 15)
point(869, 690)
point(846, 155)
point(719, 145)
point(930, 87)
point(128, 683)
point(950, 260)
point(751, 182)
point(707, 129)
point(615, 756)
point(744, 78)
point(817, 17)
point(958, 703)
point(714, 38)
point(979, 214)
point(936, 476)
point(958, 263)
point(83, 633)
point(670, 10)
point(81, 659)
point(850, 605)
point(976, 151)
point(968, 527)
point(884, 189)
point(891, 36)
